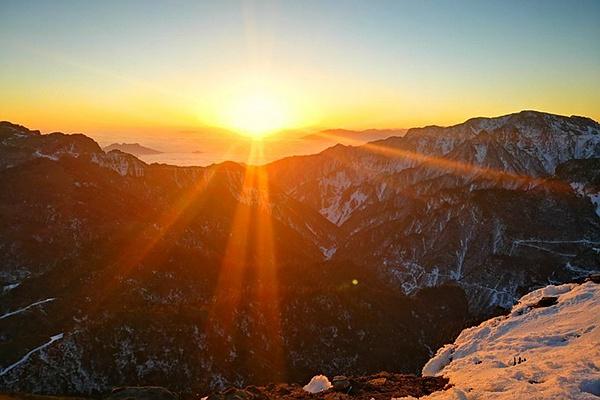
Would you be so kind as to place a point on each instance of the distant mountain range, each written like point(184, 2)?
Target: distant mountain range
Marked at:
point(135, 149)
point(351, 137)
point(212, 146)
point(354, 260)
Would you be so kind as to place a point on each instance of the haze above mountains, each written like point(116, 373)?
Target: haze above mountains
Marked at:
point(201, 149)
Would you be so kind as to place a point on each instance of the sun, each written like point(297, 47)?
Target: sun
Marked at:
point(257, 115)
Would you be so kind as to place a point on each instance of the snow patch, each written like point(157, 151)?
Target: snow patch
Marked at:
point(545, 352)
point(317, 384)
point(595, 199)
point(8, 288)
point(328, 252)
point(39, 154)
point(120, 163)
point(20, 310)
point(480, 152)
point(442, 358)
point(23, 359)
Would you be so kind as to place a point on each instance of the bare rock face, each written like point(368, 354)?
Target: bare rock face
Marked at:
point(341, 383)
point(545, 301)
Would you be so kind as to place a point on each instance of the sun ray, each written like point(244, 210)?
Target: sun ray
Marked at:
point(268, 287)
point(148, 237)
point(249, 273)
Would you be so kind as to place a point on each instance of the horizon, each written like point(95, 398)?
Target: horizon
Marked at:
point(124, 138)
point(265, 150)
point(133, 70)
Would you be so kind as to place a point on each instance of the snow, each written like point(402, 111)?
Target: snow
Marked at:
point(381, 190)
point(328, 252)
point(120, 163)
point(23, 359)
point(317, 384)
point(578, 187)
point(480, 152)
point(8, 288)
point(20, 310)
point(536, 244)
point(559, 347)
point(595, 199)
point(338, 213)
point(39, 154)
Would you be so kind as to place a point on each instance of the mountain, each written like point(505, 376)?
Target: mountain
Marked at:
point(345, 136)
point(353, 260)
point(495, 204)
point(135, 149)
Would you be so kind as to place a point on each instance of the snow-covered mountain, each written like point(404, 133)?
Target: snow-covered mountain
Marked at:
point(115, 272)
point(547, 347)
point(529, 144)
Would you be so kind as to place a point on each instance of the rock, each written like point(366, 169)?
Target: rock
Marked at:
point(594, 278)
point(141, 393)
point(282, 390)
point(233, 393)
point(341, 383)
point(380, 386)
point(237, 394)
point(377, 381)
point(545, 301)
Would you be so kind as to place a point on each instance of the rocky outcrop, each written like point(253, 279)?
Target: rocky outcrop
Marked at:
point(381, 386)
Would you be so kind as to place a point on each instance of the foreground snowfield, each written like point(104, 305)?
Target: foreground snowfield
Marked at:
point(560, 345)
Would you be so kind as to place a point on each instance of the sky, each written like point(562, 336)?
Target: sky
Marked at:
point(154, 67)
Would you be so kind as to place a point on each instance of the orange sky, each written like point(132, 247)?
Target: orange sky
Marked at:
point(118, 70)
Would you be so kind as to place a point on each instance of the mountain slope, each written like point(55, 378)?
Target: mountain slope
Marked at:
point(528, 144)
point(469, 203)
point(540, 350)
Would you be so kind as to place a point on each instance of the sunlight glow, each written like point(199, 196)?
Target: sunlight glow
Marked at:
point(257, 115)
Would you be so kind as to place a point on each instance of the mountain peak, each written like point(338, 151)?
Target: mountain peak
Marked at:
point(10, 128)
point(132, 148)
